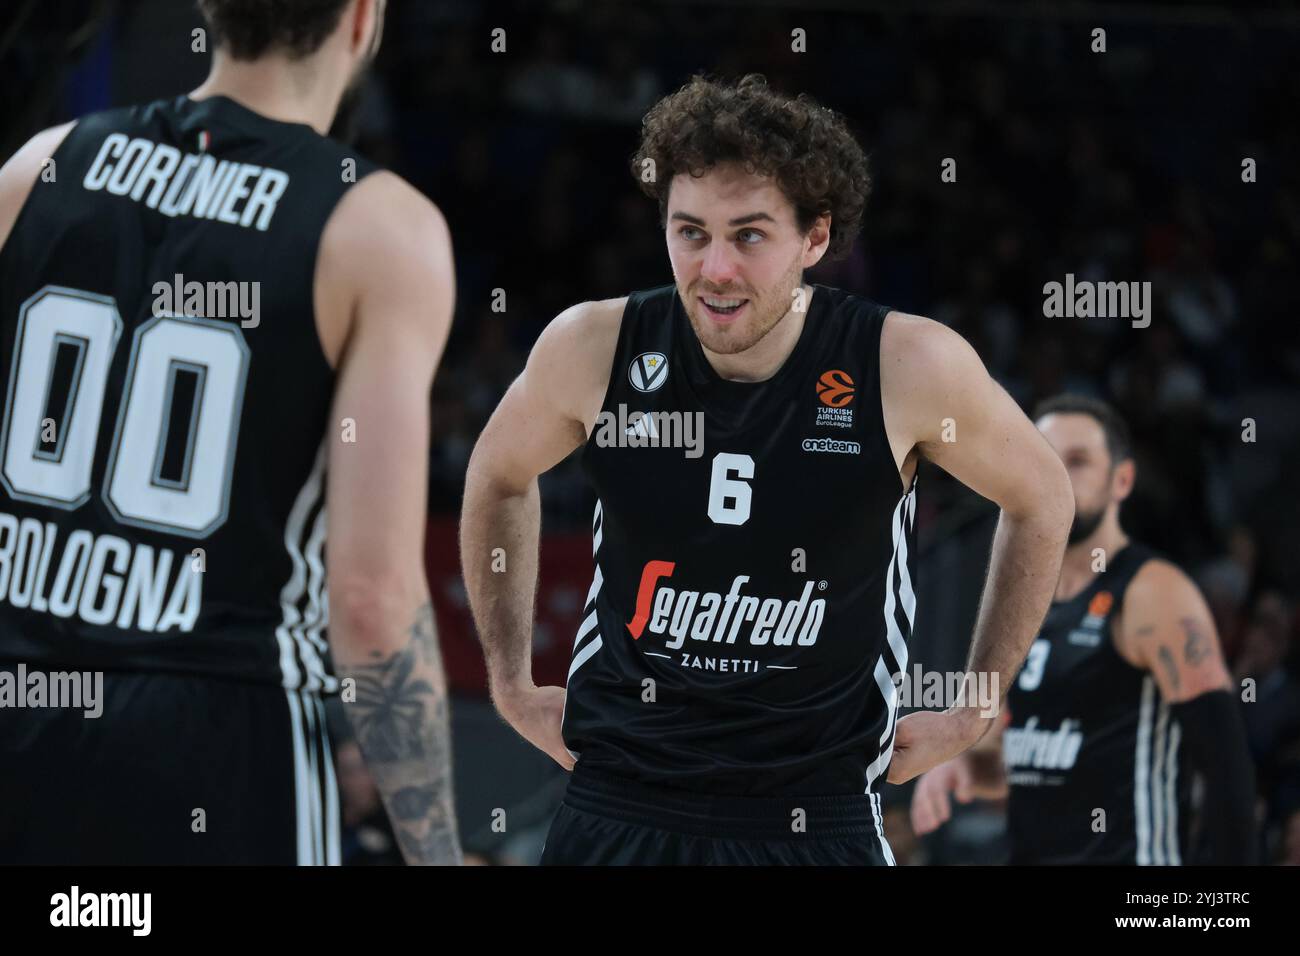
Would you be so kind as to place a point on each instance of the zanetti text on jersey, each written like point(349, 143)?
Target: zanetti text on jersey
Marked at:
point(186, 184)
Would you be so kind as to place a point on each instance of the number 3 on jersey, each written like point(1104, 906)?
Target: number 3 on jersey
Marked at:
point(192, 368)
point(728, 496)
point(1032, 674)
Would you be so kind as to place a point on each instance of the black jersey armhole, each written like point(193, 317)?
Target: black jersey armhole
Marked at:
point(879, 316)
point(625, 330)
point(67, 145)
point(1139, 556)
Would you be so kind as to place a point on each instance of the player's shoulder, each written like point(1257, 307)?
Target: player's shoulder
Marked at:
point(571, 359)
point(594, 323)
point(30, 157)
point(384, 208)
point(1158, 582)
point(922, 358)
point(918, 342)
point(23, 169)
point(585, 333)
point(385, 232)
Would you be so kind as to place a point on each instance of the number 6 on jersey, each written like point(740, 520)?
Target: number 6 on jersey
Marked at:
point(723, 488)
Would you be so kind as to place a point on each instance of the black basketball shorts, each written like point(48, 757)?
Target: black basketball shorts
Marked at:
point(608, 820)
point(174, 769)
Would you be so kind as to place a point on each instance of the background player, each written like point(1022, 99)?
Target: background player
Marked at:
point(174, 433)
point(816, 407)
point(1124, 694)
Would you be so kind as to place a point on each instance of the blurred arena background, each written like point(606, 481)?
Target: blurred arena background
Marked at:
point(1122, 166)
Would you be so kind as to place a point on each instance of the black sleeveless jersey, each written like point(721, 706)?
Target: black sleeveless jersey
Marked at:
point(1093, 758)
point(166, 398)
point(753, 590)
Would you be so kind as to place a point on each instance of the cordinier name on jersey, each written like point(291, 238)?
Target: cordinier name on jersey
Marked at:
point(186, 184)
point(709, 616)
point(1029, 748)
point(100, 579)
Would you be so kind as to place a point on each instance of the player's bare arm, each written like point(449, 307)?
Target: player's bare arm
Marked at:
point(384, 295)
point(547, 413)
point(20, 174)
point(1166, 628)
point(940, 404)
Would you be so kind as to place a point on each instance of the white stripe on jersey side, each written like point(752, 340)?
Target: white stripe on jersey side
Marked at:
point(1142, 773)
point(590, 621)
point(879, 816)
point(289, 635)
point(1171, 794)
point(302, 783)
point(311, 617)
point(1159, 815)
point(327, 784)
point(585, 655)
point(897, 643)
point(317, 615)
point(314, 796)
point(315, 787)
point(589, 624)
point(333, 822)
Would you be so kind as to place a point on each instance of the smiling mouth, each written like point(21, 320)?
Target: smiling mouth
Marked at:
point(722, 308)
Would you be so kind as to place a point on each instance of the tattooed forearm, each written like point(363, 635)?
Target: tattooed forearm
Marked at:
point(1167, 660)
point(1197, 647)
point(400, 719)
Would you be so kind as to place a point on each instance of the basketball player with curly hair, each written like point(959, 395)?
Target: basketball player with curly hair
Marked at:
point(730, 697)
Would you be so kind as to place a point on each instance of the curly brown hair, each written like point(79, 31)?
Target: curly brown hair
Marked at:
point(808, 148)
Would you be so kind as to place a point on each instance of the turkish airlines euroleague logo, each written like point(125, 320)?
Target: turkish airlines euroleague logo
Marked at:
point(1098, 610)
point(1100, 604)
point(720, 618)
point(835, 388)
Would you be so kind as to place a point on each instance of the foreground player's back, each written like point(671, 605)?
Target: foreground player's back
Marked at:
point(167, 395)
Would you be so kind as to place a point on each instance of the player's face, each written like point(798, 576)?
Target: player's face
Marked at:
point(1081, 442)
point(737, 255)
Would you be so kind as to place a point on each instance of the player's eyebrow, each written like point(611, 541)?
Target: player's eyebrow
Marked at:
point(738, 221)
